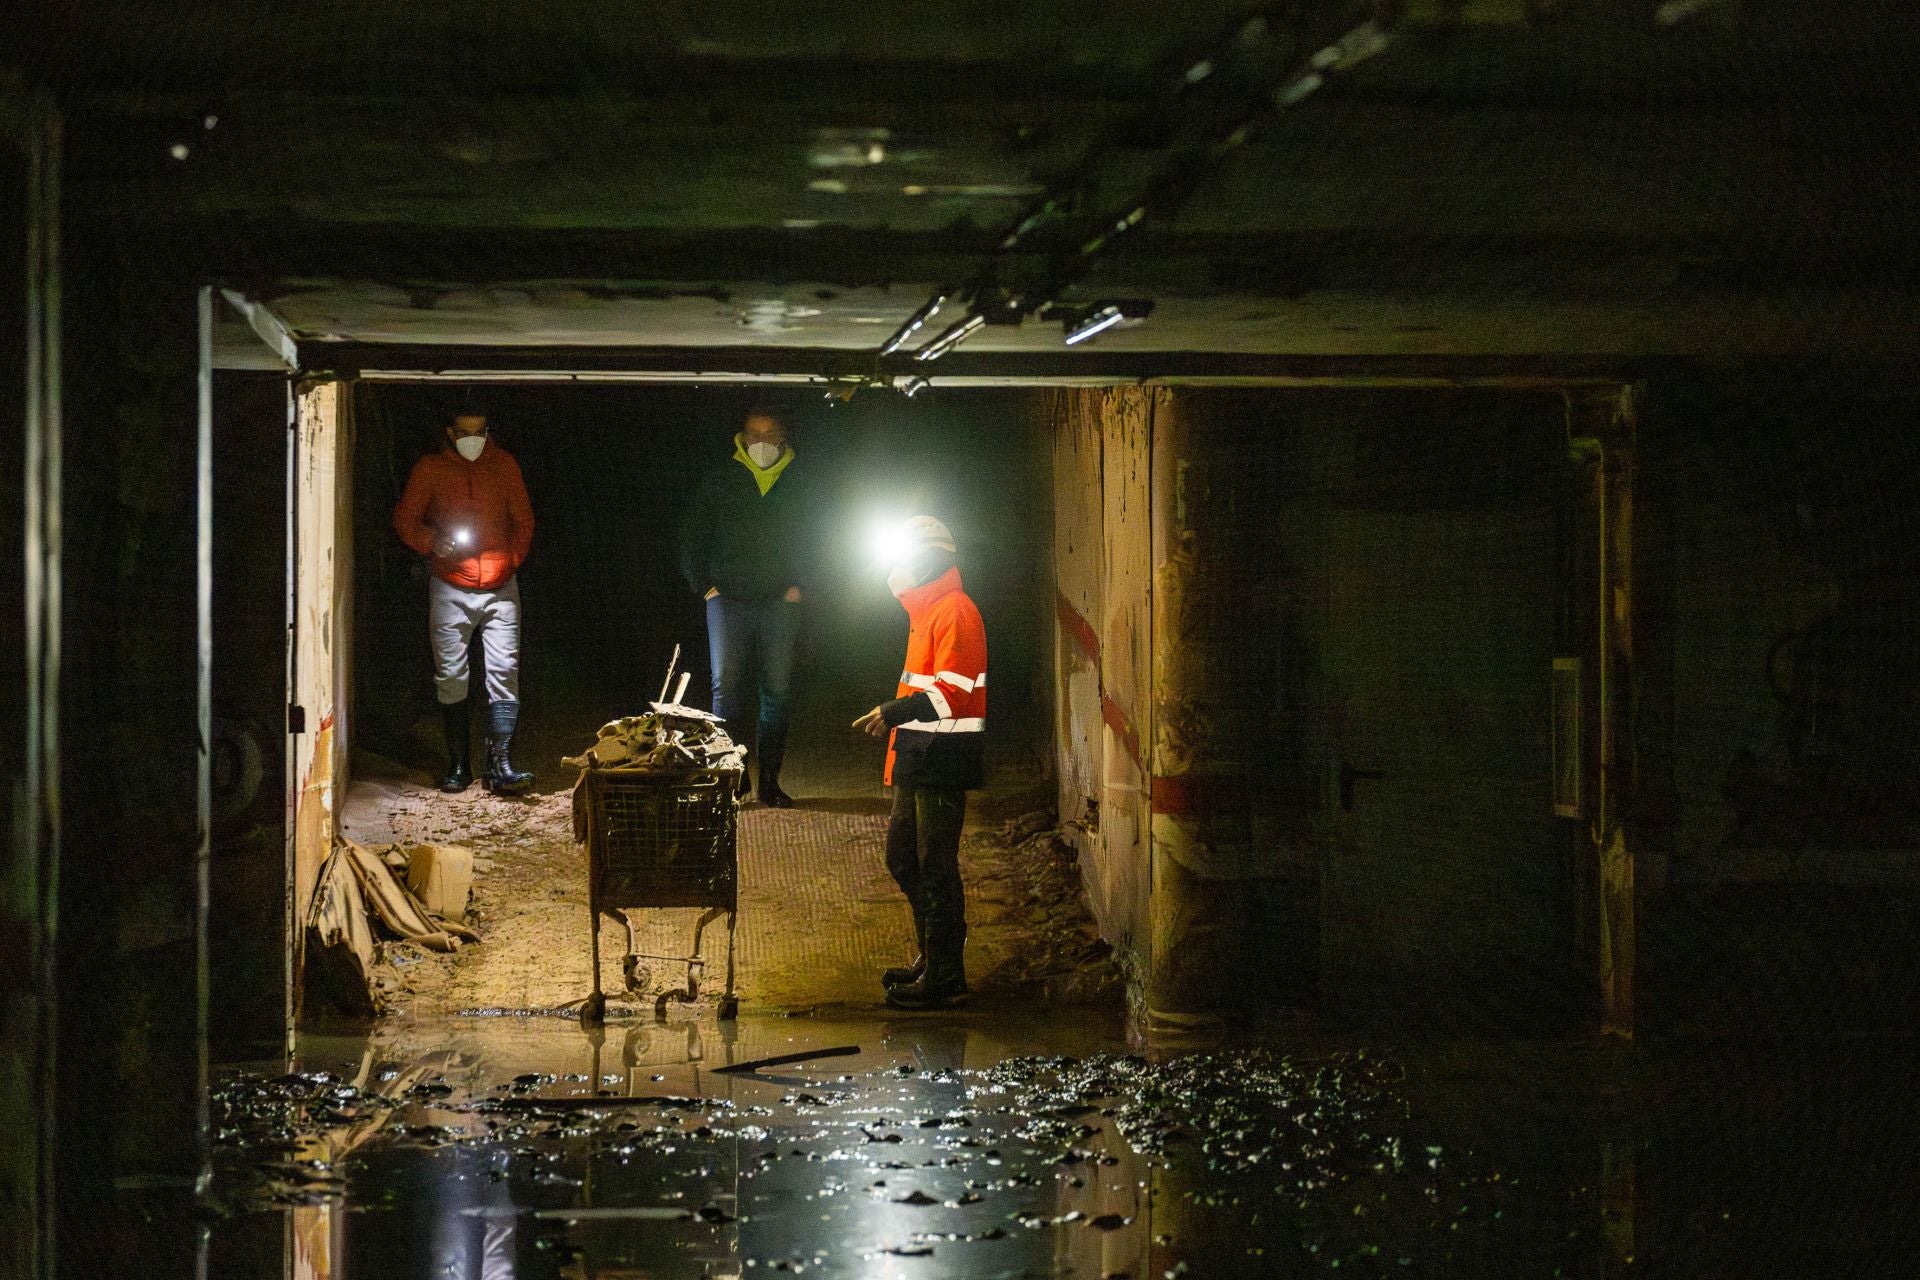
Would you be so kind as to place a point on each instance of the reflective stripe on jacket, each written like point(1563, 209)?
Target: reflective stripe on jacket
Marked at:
point(945, 744)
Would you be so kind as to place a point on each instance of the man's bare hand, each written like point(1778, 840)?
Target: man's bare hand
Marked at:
point(446, 548)
point(872, 724)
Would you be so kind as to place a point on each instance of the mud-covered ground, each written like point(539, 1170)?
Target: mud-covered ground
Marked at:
point(818, 915)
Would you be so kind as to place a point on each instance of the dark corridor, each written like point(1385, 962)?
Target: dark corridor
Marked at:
point(610, 471)
point(1439, 479)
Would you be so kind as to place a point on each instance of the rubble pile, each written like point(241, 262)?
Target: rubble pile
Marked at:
point(670, 739)
point(1062, 960)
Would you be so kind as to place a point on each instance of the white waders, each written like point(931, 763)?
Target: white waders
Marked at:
point(453, 615)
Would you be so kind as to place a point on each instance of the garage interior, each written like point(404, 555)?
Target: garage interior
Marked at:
point(1439, 479)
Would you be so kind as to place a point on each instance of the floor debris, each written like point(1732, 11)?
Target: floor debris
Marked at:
point(1229, 1161)
point(783, 1059)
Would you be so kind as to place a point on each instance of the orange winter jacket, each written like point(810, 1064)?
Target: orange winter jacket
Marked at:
point(939, 717)
point(486, 498)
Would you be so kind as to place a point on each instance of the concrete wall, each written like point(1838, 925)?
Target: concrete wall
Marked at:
point(131, 1017)
point(1357, 599)
point(322, 637)
point(247, 926)
point(1780, 731)
point(1103, 650)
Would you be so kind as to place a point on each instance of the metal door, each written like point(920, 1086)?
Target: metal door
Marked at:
point(1443, 891)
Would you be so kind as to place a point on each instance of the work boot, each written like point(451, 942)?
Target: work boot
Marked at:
point(900, 976)
point(943, 981)
point(502, 778)
point(773, 750)
point(455, 721)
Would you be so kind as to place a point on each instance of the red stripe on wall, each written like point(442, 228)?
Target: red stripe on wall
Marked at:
point(1112, 714)
point(1188, 793)
point(1078, 627)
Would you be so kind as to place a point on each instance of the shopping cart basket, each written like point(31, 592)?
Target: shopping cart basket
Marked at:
point(658, 840)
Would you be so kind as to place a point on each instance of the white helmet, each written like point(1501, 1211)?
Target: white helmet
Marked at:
point(921, 532)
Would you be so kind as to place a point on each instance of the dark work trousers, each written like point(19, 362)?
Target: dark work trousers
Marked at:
point(752, 643)
point(923, 853)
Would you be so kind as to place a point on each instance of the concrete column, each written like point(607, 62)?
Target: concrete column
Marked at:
point(1101, 469)
point(133, 779)
point(1234, 904)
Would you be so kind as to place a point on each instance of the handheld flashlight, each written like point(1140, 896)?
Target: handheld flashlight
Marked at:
point(462, 537)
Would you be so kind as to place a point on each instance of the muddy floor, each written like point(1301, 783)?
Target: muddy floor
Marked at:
point(819, 917)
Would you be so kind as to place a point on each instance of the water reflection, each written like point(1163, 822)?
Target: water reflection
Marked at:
point(976, 1146)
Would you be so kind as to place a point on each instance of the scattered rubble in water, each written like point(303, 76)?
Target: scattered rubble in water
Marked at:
point(1214, 1160)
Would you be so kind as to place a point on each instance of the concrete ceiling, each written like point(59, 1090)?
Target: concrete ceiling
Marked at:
point(1503, 176)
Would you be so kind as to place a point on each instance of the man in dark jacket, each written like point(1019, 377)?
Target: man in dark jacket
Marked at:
point(746, 541)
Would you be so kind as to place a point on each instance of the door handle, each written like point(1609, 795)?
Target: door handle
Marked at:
point(1350, 775)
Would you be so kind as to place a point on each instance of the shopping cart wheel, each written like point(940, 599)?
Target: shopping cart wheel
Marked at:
point(638, 976)
point(729, 1008)
point(593, 1010)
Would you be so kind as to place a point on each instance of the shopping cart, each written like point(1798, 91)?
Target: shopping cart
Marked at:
point(655, 840)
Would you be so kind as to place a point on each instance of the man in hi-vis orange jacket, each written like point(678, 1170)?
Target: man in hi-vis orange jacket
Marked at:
point(938, 727)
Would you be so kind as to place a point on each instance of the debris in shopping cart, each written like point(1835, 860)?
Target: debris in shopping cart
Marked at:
point(669, 738)
point(783, 1059)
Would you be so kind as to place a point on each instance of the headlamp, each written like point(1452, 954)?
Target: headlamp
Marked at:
point(889, 543)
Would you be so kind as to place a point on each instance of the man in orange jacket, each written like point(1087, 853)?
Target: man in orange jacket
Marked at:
point(937, 726)
point(465, 507)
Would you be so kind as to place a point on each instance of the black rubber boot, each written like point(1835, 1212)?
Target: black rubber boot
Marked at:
point(938, 988)
point(502, 778)
point(944, 981)
point(900, 976)
point(456, 722)
point(773, 750)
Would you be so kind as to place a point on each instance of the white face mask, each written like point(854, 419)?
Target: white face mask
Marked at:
point(470, 447)
point(901, 581)
point(764, 453)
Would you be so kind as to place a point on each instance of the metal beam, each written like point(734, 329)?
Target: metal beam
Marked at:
point(392, 362)
point(272, 329)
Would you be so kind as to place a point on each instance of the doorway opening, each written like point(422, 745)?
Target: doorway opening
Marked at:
point(610, 472)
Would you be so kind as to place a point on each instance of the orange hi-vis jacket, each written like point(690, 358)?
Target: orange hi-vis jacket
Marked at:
point(939, 717)
point(485, 497)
